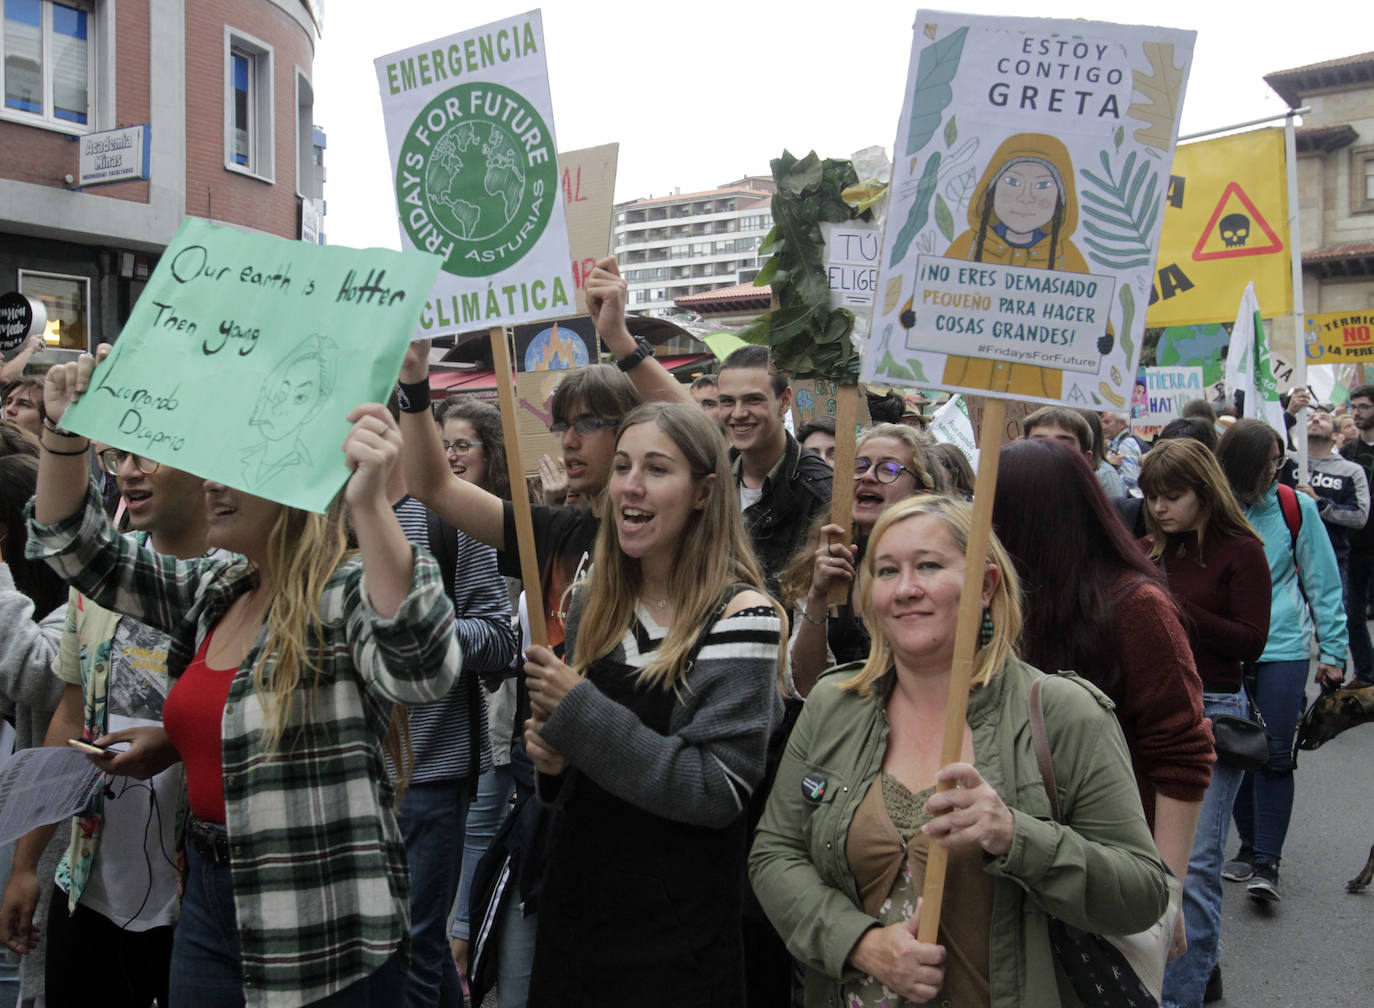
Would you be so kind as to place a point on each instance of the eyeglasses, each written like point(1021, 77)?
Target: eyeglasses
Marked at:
point(460, 447)
point(584, 426)
point(885, 472)
point(1362, 407)
point(112, 458)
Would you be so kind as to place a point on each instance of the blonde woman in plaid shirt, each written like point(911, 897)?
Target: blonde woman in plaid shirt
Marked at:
point(288, 665)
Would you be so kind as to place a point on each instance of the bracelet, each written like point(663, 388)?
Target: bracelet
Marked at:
point(54, 451)
point(48, 425)
point(412, 397)
point(814, 622)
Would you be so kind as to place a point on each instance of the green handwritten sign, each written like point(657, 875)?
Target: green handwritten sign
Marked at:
point(245, 353)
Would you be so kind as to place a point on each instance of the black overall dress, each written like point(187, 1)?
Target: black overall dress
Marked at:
point(638, 910)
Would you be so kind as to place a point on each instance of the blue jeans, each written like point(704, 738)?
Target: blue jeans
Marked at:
point(1264, 805)
point(1185, 978)
point(1360, 572)
point(484, 818)
point(432, 818)
point(207, 968)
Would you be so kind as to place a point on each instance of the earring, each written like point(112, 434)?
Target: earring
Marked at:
point(985, 629)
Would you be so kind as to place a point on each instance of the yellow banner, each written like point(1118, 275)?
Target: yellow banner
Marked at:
point(1225, 224)
point(1339, 337)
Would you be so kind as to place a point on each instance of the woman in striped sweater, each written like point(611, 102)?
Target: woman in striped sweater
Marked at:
point(654, 738)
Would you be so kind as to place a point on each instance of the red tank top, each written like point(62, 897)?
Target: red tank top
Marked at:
point(191, 715)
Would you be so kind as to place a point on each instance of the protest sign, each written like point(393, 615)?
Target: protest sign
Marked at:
point(469, 126)
point(1031, 163)
point(818, 397)
point(851, 263)
point(1166, 390)
point(1337, 337)
point(567, 343)
point(588, 180)
point(246, 352)
point(1225, 215)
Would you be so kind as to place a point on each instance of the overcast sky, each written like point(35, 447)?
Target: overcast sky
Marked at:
point(704, 92)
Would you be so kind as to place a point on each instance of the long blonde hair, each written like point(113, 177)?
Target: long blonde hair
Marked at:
point(1005, 606)
point(303, 551)
point(712, 554)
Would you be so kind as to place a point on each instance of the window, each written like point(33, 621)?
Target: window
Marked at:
point(48, 61)
point(248, 105)
point(1362, 180)
point(67, 299)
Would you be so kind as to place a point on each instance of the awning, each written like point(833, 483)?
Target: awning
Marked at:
point(481, 383)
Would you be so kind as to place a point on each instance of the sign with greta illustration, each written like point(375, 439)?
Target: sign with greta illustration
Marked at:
point(469, 126)
point(1031, 163)
point(245, 353)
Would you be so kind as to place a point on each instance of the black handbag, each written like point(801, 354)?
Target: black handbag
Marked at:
point(1240, 742)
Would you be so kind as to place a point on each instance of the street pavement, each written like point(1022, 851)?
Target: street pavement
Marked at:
point(1316, 946)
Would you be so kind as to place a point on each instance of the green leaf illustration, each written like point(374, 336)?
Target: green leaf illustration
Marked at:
point(1119, 212)
point(889, 368)
point(919, 212)
point(943, 218)
point(934, 71)
point(951, 132)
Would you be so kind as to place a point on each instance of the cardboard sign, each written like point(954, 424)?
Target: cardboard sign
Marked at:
point(1031, 162)
point(1225, 225)
point(245, 353)
point(588, 180)
point(816, 397)
point(469, 124)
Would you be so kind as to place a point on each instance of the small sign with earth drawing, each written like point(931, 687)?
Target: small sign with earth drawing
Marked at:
point(469, 126)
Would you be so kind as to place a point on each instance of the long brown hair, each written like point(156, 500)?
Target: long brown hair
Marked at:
point(1184, 464)
point(713, 553)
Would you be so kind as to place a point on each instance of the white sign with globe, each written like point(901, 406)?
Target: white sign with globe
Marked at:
point(469, 125)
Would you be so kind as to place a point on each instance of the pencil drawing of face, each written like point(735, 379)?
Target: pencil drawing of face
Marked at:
point(296, 389)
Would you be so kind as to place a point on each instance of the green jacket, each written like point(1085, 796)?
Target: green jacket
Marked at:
point(1104, 876)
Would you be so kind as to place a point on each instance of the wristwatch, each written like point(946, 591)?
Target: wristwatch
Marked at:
point(642, 350)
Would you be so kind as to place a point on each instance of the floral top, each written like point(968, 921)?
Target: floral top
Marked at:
point(887, 853)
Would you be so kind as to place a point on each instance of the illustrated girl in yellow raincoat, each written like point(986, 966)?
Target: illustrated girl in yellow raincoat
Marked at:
point(1023, 213)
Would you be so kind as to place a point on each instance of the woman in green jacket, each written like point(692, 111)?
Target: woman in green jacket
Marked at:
point(838, 863)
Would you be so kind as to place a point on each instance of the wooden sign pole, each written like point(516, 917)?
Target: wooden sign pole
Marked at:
point(524, 522)
point(841, 493)
point(965, 646)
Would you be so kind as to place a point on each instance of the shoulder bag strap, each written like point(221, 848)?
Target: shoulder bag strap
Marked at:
point(1041, 740)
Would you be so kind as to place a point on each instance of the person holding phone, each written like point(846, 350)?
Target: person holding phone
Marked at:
point(289, 656)
point(114, 893)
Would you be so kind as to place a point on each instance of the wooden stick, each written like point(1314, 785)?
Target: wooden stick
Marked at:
point(524, 522)
point(965, 646)
point(841, 494)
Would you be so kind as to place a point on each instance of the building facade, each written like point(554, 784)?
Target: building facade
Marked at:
point(674, 246)
point(1335, 179)
point(224, 89)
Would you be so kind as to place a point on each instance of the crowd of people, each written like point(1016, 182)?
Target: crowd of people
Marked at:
point(338, 770)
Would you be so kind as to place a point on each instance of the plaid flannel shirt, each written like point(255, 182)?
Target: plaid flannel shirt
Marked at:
point(318, 866)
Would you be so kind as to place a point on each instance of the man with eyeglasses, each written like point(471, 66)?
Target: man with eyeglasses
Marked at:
point(1360, 563)
point(116, 888)
point(588, 406)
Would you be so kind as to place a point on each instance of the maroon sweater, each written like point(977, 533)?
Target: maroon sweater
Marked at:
point(1160, 698)
point(1225, 599)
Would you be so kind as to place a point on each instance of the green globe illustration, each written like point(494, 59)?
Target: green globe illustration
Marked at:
point(474, 180)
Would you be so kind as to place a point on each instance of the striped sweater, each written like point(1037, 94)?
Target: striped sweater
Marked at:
point(704, 771)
